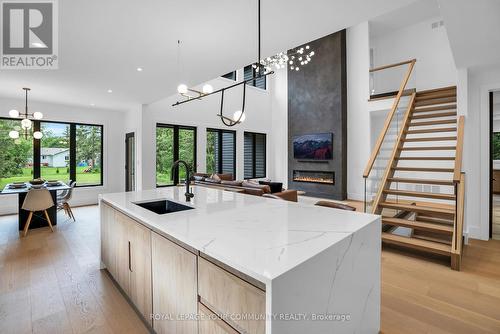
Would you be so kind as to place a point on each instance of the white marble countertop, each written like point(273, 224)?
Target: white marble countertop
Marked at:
point(260, 237)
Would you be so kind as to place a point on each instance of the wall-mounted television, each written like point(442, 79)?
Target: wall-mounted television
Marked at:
point(317, 146)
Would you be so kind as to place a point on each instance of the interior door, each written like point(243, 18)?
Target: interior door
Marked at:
point(130, 161)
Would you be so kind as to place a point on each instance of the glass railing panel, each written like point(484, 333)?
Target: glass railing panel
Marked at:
point(377, 119)
point(387, 82)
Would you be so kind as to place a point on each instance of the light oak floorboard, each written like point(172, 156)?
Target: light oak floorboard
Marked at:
point(51, 283)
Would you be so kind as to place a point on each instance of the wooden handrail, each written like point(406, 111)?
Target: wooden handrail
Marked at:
point(394, 155)
point(388, 119)
point(375, 69)
point(460, 147)
point(456, 246)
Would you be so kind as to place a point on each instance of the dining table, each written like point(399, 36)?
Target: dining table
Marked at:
point(38, 219)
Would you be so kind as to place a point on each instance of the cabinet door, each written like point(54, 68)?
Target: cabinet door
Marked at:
point(225, 294)
point(211, 324)
point(140, 269)
point(174, 287)
point(108, 250)
point(123, 248)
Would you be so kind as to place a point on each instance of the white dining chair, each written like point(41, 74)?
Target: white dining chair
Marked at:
point(37, 200)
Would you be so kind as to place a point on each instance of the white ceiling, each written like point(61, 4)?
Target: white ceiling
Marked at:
point(103, 42)
point(473, 29)
point(414, 13)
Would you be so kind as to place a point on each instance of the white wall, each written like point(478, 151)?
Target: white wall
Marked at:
point(278, 166)
point(203, 114)
point(476, 148)
point(114, 151)
point(435, 66)
point(358, 117)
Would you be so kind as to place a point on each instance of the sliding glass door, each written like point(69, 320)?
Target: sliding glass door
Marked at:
point(174, 142)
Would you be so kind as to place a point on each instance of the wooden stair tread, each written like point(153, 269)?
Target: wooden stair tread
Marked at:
point(425, 158)
point(429, 148)
point(408, 193)
point(424, 169)
point(418, 225)
point(442, 138)
point(435, 220)
point(438, 237)
point(435, 115)
point(409, 132)
point(431, 102)
point(434, 90)
point(437, 108)
point(418, 208)
point(427, 123)
point(419, 244)
point(436, 95)
point(421, 181)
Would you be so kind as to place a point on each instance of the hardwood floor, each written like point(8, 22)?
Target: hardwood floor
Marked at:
point(51, 283)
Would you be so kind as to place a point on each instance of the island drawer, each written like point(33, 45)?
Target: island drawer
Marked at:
point(210, 323)
point(239, 303)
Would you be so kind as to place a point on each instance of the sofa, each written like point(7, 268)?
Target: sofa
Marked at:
point(249, 187)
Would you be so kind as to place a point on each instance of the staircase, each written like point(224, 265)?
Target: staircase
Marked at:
point(421, 192)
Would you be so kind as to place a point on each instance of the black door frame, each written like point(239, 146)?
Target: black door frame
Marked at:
point(127, 157)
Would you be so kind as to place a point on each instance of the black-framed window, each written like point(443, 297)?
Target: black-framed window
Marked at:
point(249, 72)
point(254, 155)
point(221, 151)
point(65, 152)
point(230, 75)
point(174, 142)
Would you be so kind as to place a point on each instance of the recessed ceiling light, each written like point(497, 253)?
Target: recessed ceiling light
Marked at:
point(139, 69)
point(110, 91)
point(92, 104)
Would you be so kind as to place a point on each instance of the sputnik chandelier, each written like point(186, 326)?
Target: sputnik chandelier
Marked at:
point(239, 115)
point(26, 122)
point(294, 58)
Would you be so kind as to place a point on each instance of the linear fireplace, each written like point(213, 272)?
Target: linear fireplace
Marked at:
point(314, 176)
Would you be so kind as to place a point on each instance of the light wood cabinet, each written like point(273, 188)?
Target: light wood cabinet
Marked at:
point(108, 239)
point(226, 295)
point(174, 284)
point(175, 287)
point(126, 253)
point(140, 289)
point(122, 226)
point(210, 324)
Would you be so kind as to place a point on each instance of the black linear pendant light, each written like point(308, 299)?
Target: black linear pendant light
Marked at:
point(239, 116)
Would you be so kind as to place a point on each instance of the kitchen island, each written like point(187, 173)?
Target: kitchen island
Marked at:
point(236, 263)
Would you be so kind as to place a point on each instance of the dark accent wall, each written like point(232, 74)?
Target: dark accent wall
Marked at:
point(317, 103)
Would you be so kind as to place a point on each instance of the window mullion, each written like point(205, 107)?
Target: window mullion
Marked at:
point(72, 152)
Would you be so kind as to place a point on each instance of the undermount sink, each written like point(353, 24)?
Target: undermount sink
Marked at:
point(162, 207)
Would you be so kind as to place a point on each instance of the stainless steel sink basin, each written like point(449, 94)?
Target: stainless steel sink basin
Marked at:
point(162, 207)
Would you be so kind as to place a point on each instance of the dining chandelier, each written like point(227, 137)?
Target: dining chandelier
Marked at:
point(26, 128)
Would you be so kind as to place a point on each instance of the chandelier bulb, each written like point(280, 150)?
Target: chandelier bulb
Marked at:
point(14, 113)
point(26, 124)
point(14, 134)
point(37, 135)
point(182, 89)
point(236, 116)
point(207, 89)
point(37, 115)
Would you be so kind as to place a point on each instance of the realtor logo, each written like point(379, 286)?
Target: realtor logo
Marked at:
point(29, 37)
